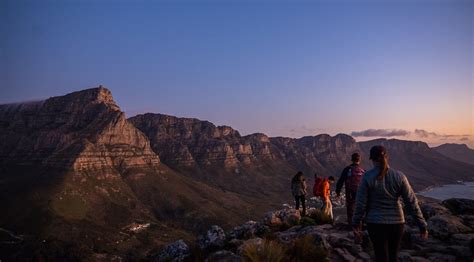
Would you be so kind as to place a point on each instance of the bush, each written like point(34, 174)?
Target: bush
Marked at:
point(307, 221)
point(320, 217)
point(268, 251)
point(308, 248)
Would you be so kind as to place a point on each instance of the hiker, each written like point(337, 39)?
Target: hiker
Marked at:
point(326, 192)
point(350, 178)
point(377, 202)
point(298, 188)
point(321, 189)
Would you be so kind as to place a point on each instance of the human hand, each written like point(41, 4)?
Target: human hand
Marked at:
point(357, 234)
point(424, 234)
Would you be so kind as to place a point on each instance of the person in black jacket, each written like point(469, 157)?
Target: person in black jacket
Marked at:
point(350, 177)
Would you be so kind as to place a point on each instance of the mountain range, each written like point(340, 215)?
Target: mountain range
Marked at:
point(76, 164)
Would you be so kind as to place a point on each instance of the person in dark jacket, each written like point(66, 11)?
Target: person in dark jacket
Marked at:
point(298, 189)
point(378, 203)
point(350, 177)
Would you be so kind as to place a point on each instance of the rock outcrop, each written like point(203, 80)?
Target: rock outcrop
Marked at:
point(81, 130)
point(449, 240)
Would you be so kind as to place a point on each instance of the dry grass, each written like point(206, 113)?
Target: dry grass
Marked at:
point(308, 249)
point(320, 217)
point(268, 251)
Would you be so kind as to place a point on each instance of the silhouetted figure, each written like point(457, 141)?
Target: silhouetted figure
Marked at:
point(350, 178)
point(378, 203)
point(298, 188)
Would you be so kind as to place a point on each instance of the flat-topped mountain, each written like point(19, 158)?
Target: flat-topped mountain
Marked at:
point(81, 130)
point(459, 152)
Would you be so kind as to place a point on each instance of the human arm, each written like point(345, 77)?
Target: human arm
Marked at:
point(411, 204)
point(341, 180)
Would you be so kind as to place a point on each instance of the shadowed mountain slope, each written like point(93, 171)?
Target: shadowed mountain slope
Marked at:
point(459, 152)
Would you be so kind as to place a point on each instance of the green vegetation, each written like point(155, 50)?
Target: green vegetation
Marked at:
point(307, 221)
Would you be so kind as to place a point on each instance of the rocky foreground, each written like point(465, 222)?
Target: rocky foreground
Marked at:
point(284, 235)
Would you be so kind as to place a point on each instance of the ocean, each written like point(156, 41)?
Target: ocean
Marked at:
point(463, 190)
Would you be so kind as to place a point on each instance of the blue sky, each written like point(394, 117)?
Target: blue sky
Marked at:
point(284, 68)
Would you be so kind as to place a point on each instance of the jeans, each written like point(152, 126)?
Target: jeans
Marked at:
point(386, 240)
point(303, 203)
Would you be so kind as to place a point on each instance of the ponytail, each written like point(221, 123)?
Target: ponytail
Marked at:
point(379, 154)
point(384, 167)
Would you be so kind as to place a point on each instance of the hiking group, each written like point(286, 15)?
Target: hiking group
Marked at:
point(372, 201)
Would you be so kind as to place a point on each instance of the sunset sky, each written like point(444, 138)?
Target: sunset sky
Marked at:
point(400, 69)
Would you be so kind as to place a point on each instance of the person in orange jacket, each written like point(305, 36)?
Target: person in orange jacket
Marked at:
point(327, 205)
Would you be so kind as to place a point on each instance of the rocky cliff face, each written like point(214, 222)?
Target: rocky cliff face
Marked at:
point(187, 142)
point(81, 130)
point(194, 143)
point(190, 144)
point(458, 152)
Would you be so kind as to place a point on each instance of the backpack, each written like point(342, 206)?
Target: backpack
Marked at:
point(318, 187)
point(354, 175)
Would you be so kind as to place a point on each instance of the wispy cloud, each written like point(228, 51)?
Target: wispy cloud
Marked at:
point(464, 139)
point(423, 133)
point(380, 133)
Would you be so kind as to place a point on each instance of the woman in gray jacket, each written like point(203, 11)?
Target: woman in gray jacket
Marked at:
point(378, 203)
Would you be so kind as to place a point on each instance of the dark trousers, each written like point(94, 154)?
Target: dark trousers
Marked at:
point(386, 240)
point(303, 203)
point(350, 205)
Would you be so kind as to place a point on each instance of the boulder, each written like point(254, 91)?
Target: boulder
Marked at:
point(419, 259)
point(466, 240)
point(223, 256)
point(431, 209)
point(272, 219)
point(289, 217)
point(214, 238)
point(436, 257)
point(287, 237)
point(468, 220)
point(443, 226)
point(460, 206)
point(345, 255)
point(176, 252)
point(245, 231)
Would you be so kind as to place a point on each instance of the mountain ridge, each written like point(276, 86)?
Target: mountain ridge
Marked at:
point(81, 166)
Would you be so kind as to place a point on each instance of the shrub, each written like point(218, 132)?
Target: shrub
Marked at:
point(307, 221)
point(320, 217)
point(308, 248)
point(268, 251)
